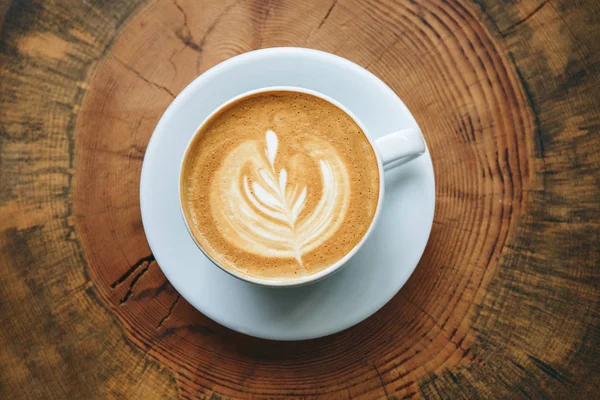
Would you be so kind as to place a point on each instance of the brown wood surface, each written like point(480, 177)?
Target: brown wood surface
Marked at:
point(505, 302)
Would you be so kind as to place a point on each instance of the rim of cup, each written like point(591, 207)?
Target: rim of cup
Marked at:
point(306, 279)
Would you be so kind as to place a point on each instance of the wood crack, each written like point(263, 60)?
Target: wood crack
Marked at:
point(142, 77)
point(322, 22)
point(185, 33)
point(387, 395)
point(134, 281)
point(524, 20)
point(327, 14)
point(184, 14)
point(132, 269)
point(162, 321)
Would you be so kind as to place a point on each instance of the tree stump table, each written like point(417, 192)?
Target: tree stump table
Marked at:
point(505, 301)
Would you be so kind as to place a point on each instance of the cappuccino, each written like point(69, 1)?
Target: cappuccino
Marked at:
point(279, 185)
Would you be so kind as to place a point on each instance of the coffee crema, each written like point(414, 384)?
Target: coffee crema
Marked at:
point(279, 185)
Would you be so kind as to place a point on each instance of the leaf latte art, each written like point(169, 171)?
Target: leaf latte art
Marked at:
point(279, 185)
point(265, 208)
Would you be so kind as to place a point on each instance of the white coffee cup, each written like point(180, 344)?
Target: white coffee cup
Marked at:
point(392, 150)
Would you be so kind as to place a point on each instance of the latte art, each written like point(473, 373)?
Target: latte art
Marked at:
point(267, 214)
point(279, 185)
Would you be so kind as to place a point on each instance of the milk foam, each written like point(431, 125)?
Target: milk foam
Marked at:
point(264, 212)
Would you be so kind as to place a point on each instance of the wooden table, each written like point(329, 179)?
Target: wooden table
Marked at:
point(504, 303)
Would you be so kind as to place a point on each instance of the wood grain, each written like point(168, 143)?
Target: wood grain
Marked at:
point(505, 302)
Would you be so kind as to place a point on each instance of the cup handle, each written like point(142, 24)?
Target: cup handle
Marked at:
point(400, 147)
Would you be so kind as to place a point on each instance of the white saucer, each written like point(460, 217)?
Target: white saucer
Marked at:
point(371, 278)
